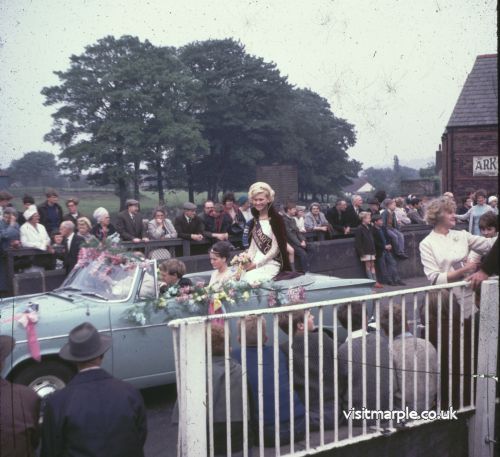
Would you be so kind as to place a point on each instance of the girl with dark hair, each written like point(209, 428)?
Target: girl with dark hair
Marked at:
point(268, 247)
point(219, 258)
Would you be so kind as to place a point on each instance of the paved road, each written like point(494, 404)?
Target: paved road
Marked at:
point(162, 437)
point(160, 401)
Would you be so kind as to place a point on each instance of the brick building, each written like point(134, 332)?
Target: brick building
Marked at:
point(283, 179)
point(469, 154)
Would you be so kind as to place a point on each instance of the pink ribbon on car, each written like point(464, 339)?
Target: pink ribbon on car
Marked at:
point(28, 320)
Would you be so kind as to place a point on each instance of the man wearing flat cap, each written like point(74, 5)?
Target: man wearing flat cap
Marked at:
point(19, 412)
point(95, 414)
point(129, 223)
point(189, 226)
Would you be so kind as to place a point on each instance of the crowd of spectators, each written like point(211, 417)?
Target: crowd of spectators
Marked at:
point(379, 244)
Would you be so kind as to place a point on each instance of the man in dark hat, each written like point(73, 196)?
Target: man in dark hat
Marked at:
point(19, 412)
point(189, 226)
point(129, 223)
point(374, 206)
point(337, 218)
point(95, 414)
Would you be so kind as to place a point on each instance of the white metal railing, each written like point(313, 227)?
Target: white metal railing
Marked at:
point(470, 383)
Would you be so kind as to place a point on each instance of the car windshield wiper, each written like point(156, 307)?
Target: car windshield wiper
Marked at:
point(94, 294)
point(53, 294)
point(70, 288)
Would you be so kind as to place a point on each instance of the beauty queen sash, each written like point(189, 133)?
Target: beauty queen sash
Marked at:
point(263, 241)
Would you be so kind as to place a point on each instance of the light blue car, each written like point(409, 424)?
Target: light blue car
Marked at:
point(104, 294)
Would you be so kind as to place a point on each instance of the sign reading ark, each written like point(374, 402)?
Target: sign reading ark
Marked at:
point(485, 166)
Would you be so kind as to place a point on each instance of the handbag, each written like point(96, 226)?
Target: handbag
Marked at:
point(160, 254)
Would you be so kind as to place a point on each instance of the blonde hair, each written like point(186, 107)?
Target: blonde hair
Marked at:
point(364, 214)
point(437, 207)
point(261, 188)
point(84, 220)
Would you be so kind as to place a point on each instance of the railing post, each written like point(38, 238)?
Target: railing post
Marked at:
point(482, 428)
point(192, 390)
point(186, 248)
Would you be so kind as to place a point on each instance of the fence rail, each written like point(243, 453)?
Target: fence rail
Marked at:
point(432, 364)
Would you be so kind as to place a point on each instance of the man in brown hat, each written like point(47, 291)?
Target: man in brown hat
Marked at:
point(19, 412)
point(129, 223)
point(95, 414)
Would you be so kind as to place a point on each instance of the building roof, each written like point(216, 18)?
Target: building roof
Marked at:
point(478, 101)
point(359, 185)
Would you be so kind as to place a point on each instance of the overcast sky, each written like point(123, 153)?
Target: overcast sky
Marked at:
point(392, 68)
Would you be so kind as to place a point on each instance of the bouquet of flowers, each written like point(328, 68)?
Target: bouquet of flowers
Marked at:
point(284, 297)
point(239, 261)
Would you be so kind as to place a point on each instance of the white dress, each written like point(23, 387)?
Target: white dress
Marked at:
point(441, 254)
point(217, 279)
point(266, 265)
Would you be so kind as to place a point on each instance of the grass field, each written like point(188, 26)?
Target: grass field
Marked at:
point(90, 199)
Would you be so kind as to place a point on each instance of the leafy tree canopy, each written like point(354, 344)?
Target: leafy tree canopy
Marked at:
point(34, 168)
point(202, 116)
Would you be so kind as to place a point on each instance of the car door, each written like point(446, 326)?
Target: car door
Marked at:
point(143, 354)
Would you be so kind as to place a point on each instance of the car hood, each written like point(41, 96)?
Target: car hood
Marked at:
point(51, 308)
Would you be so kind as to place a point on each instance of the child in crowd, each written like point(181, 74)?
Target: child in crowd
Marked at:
point(488, 224)
point(301, 320)
point(386, 266)
point(251, 324)
point(392, 227)
point(400, 212)
point(365, 246)
point(493, 202)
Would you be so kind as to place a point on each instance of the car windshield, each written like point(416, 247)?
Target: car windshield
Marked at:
point(101, 280)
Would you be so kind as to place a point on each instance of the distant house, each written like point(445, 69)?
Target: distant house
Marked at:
point(358, 186)
point(469, 154)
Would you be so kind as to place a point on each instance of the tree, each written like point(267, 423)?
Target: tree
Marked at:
point(35, 168)
point(429, 171)
point(123, 102)
point(239, 113)
point(317, 143)
point(389, 179)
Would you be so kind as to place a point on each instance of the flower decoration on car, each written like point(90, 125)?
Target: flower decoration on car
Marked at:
point(199, 299)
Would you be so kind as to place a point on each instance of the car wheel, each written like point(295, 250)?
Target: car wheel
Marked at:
point(45, 377)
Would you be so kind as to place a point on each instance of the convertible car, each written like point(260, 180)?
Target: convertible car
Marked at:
point(104, 293)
